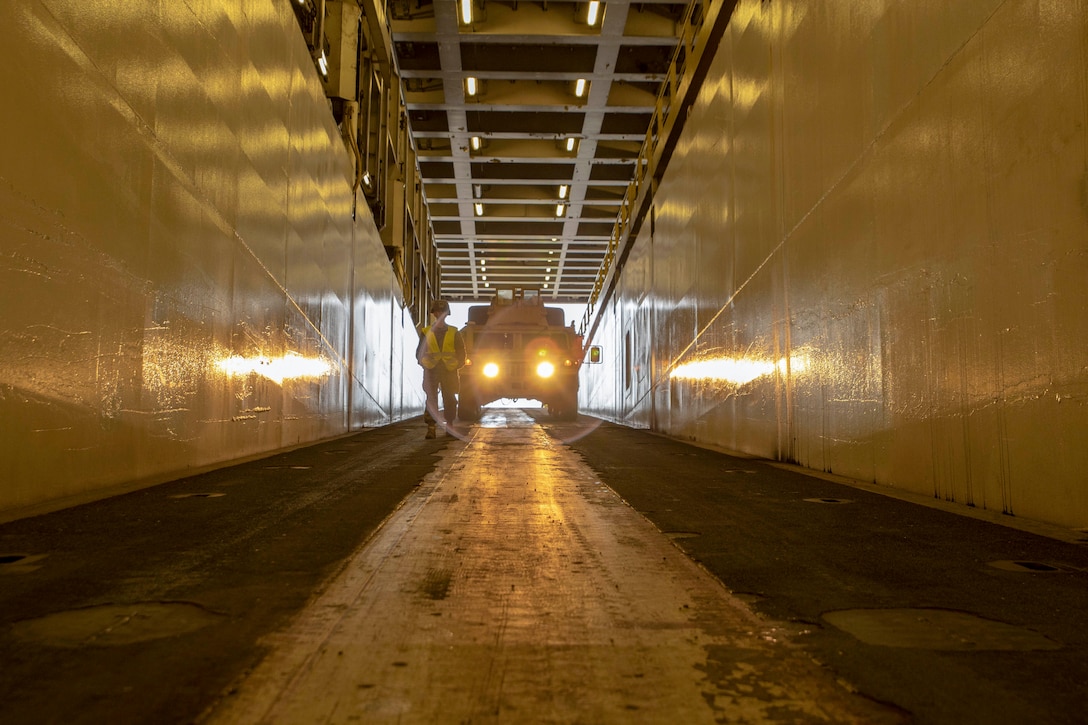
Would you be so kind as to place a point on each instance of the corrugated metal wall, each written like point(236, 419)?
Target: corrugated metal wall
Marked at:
point(181, 280)
point(873, 237)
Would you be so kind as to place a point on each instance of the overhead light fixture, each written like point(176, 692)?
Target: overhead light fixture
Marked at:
point(570, 143)
point(479, 208)
point(466, 11)
point(592, 15)
point(559, 209)
point(563, 191)
point(471, 86)
point(580, 87)
point(323, 64)
point(475, 143)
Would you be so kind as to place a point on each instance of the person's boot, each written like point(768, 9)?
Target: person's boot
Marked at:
point(430, 432)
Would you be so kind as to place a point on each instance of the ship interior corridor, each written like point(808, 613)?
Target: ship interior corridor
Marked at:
point(526, 570)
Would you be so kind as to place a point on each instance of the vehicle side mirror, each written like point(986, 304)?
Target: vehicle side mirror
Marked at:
point(595, 355)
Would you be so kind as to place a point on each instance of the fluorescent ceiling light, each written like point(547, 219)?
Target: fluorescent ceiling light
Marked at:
point(466, 11)
point(591, 16)
point(580, 87)
point(570, 144)
point(470, 86)
point(475, 143)
point(559, 209)
point(563, 191)
point(479, 209)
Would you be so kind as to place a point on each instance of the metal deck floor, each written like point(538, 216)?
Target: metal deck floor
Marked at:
point(513, 586)
point(532, 571)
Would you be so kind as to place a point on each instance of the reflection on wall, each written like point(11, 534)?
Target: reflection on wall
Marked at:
point(891, 197)
point(184, 280)
point(736, 371)
point(291, 366)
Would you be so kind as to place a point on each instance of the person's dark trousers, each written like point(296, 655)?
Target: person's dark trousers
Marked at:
point(436, 380)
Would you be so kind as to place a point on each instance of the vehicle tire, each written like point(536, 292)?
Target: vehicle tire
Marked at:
point(467, 410)
point(566, 408)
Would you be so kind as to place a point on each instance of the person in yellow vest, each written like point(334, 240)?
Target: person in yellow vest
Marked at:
point(441, 352)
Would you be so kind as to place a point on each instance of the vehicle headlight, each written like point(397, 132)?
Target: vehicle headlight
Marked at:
point(545, 369)
point(491, 370)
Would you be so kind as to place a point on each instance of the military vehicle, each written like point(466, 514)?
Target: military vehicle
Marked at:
point(518, 348)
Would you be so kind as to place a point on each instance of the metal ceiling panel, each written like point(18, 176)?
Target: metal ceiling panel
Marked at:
point(523, 170)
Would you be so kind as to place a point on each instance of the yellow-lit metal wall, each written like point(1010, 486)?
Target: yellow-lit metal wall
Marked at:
point(182, 282)
point(872, 238)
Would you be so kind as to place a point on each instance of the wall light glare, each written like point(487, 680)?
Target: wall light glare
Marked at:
point(291, 366)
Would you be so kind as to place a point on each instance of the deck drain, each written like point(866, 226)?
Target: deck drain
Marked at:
point(112, 625)
point(11, 563)
point(936, 629)
point(197, 495)
point(829, 500)
point(1036, 567)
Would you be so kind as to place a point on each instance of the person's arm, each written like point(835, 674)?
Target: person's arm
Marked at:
point(421, 346)
point(459, 347)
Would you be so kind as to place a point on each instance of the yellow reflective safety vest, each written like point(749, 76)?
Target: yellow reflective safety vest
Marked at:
point(447, 354)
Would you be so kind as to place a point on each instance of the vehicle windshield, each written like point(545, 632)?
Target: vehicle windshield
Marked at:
point(494, 341)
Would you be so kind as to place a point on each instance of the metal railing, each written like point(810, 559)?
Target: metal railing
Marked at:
point(689, 50)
